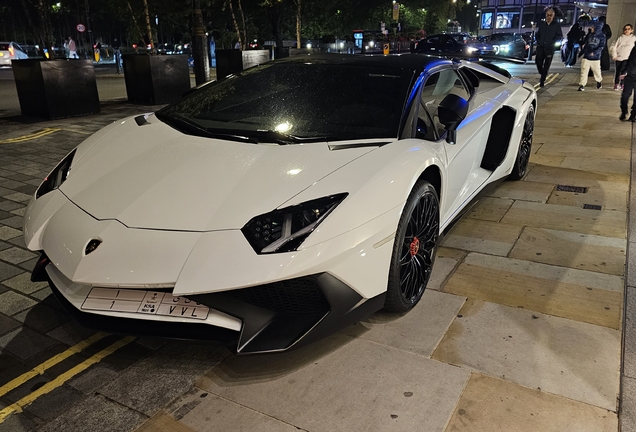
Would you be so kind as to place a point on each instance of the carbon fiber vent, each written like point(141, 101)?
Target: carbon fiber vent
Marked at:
point(292, 296)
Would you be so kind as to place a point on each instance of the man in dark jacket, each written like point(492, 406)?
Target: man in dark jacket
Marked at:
point(548, 35)
point(628, 76)
point(592, 49)
point(607, 31)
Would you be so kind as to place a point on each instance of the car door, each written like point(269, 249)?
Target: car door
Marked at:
point(449, 45)
point(430, 44)
point(463, 158)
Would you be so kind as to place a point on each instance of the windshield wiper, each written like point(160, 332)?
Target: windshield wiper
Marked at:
point(264, 135)
point(190, 128)
point(241, 135)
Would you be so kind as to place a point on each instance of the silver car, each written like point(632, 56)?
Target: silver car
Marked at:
point(11, 51)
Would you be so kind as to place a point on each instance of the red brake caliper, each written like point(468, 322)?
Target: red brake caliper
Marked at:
point(414, 247)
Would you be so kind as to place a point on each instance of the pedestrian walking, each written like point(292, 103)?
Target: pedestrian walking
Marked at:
point(620, 50)
point(72, 48)
point(548, 34)
point(117, 52)
point(605, 57)
point(594, 44)
point(628, 75)
point(574, 36)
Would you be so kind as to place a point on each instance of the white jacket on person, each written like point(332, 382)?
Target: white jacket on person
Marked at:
point(622, 47)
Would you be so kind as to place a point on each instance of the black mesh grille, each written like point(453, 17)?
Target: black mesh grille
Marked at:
point(291, 296)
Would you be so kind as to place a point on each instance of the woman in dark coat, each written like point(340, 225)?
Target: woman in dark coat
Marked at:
point(605, 58)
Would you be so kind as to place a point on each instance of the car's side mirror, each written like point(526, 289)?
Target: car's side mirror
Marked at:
point(451, 111)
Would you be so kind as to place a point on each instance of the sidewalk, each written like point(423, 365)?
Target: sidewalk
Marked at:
point(520, 328)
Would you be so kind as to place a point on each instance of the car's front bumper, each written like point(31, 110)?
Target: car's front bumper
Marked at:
point(265, 318)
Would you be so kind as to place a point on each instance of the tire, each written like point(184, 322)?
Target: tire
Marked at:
point(520, 168)
point(414, 250)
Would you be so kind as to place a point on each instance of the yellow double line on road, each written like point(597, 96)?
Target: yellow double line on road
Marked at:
point(61, 379)
point(36, 135)
point(549, 79)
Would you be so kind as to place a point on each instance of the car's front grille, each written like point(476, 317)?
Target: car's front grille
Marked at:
point(301, 295)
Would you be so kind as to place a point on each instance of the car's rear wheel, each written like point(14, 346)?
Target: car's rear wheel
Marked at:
point(414, 249)
point(525, 147)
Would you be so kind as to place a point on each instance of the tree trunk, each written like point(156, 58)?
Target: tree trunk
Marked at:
point(298, 24)
point(45, 29)
point(148, 27)
point(240, 5)
point(132, 16)
point(275, 17)
point(236, 27)
point(200, 45)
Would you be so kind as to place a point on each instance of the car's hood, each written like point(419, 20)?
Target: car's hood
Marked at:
point(152, 176)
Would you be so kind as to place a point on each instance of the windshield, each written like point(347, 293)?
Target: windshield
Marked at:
point(505, 37)
point(292, 102)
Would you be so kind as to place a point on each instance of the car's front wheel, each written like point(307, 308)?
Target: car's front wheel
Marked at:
point(525, 147)
point(414, 249)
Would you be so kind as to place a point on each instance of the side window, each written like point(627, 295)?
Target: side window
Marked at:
point(437, 86)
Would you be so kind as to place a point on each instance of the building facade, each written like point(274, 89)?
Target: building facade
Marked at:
point(519, 16)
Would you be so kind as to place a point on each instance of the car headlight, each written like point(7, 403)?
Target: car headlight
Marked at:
point(284, 230)
point(55, 179)
point(471, 49)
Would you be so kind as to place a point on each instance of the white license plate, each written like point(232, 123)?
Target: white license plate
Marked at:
point(144, 302)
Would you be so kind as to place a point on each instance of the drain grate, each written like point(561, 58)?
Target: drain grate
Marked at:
point(576, 189)
point(592, 207)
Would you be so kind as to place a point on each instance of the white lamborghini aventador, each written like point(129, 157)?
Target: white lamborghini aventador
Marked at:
point(271, 208)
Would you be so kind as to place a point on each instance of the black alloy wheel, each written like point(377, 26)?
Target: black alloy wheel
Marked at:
point(525, 147)
point(414, 249)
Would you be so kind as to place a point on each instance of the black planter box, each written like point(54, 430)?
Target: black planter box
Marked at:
point(56, 88)
point(154, 79)
point(233, 61)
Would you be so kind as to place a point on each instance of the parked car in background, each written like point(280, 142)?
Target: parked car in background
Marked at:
point(165, 49)
point(11, 51)
point(453, 43)
point(509, 44)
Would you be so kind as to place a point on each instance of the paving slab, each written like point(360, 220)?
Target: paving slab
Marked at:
point(418, 331)
point(541, 137)
point(523, 190)
point(574, 294)
point(607, 223)
point(166, 423)
point(576, 360)
point(7, 233)
point(490, 209)
point(22, 283)
point(16, 255)
point(442, 268)
point(545, 160)
point(96, 414)
point(24, 342)
point(584, 251)
point(366, 387)
point(628, 407)
point(629, 328)
point(567, 176)
point(482, 236)
point(587, 152)
point(42, 318)
point(148, 385)
point(489, 404)
point(597, 164)
point(604, 195)
point(11, 303)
